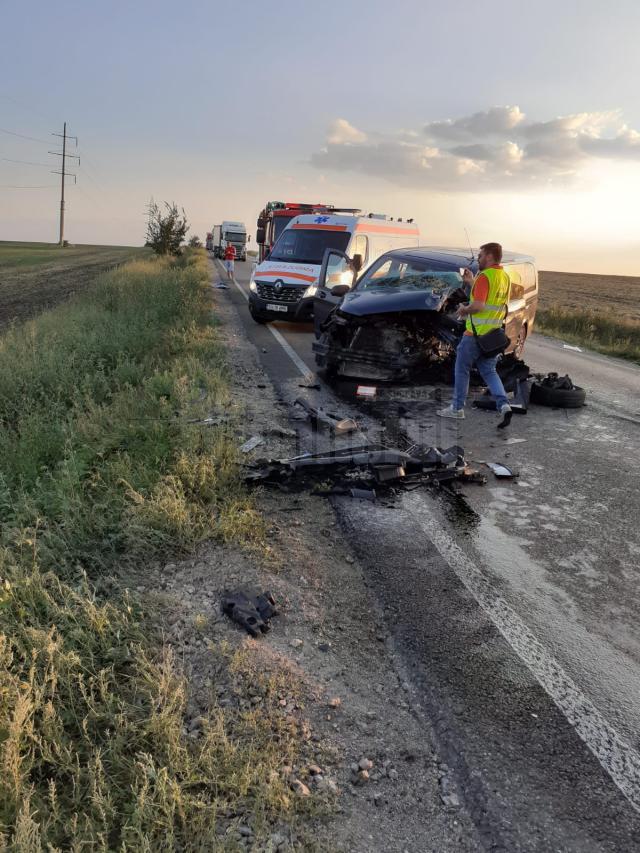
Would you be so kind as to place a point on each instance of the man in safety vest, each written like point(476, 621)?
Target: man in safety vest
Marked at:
point(484, 312)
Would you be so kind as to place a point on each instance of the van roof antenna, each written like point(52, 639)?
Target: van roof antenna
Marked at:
point(473, 257)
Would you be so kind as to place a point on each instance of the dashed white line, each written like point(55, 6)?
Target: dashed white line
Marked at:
point(286, 346)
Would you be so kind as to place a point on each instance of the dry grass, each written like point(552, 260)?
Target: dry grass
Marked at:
point(597, 311)
point(104, 466)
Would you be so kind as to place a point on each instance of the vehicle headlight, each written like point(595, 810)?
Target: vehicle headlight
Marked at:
point(253, 287)
point(310, 291)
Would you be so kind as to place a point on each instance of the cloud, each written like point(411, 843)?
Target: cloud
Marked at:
point(343, 133)
point(497, 148)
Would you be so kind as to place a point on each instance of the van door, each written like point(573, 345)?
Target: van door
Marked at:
point(337, 277)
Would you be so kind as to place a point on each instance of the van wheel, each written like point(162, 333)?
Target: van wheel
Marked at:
point(520, 342)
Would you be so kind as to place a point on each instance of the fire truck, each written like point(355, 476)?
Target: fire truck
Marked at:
point(278, 214)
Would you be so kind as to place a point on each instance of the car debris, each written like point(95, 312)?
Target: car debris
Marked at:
point(252, 612)
point(319, 417)
point(501, 471)
point(251, 444)
point(369, 468)
point(572, 348)
point(222, 286)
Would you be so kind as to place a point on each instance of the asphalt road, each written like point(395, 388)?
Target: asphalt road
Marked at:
point(515, 610)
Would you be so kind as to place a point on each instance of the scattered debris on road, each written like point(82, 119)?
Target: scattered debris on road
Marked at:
point(251, 444)
point(252, 612)
point(501, 471)
point(359, 471)
point(572, 348)
point(319, 417)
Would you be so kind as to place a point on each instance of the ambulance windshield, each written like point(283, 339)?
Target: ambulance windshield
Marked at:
point(307, 246)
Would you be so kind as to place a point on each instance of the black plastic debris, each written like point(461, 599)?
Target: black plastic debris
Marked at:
point(367, 468)
point(252, 612)
point(318, 417)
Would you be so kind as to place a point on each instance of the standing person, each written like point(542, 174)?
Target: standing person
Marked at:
point(229, 259)
point(484, 312)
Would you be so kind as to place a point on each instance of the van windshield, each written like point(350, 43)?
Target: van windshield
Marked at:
point(396, 274)
point(307, 246)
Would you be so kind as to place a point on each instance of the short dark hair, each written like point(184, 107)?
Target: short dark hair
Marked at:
point(494, 249)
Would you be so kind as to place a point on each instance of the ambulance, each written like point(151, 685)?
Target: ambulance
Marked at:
point(292, 267)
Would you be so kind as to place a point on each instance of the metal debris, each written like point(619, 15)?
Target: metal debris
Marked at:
point(501, 471)
point(318, 417)
point(252, 612)
point(362, 471)
point(251, 444)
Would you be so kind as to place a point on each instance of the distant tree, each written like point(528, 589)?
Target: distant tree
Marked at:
point(166, 230)
point(194, 242)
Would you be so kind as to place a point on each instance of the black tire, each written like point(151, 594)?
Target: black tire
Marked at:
point(558, 398)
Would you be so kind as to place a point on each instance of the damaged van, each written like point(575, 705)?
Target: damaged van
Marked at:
point(398, 321)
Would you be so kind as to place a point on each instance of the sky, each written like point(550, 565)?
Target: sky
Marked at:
point(517, 122)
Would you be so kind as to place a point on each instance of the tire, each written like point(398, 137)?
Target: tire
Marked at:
point(558, 398)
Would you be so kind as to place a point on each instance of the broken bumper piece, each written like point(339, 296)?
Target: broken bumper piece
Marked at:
point(367, 468)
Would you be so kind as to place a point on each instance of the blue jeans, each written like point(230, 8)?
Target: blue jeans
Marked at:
point(468, 354)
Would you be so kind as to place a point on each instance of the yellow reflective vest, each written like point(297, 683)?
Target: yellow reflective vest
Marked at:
point(494, 312)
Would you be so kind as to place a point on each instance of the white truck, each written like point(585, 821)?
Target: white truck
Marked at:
point(230, 232)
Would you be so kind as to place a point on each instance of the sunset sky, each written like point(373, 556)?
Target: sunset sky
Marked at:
point(520, 125)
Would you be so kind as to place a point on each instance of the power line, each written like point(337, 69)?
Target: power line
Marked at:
point(23, 136)
point(26, 162)
point(34, 187)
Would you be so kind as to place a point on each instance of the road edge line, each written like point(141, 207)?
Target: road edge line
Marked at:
point(286, 346)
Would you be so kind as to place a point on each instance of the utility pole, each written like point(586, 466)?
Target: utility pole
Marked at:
point(64, 173)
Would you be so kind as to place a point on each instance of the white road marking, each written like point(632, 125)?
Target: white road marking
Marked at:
point(286, 346)
point(617, 757)
point(620, 760)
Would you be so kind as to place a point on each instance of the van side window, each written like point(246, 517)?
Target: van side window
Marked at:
point(361, 247)
point(516, 275)
point(529, 279)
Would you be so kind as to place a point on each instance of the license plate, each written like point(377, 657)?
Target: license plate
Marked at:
point(367, 391)
point(277, 308)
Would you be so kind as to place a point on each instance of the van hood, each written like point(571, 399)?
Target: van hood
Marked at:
point(288, 273)
point(361, 303)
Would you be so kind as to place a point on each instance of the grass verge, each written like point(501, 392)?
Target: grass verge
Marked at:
point(605, 333)
point(104, 464)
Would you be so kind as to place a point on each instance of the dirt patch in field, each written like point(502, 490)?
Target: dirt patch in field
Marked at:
point(370, 744)
point(580, 291)
point(31, 282)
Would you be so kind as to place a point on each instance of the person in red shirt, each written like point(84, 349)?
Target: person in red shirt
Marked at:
point(229, 259)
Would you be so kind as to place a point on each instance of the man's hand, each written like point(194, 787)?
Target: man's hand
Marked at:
point(463, 311)
point(467, 277)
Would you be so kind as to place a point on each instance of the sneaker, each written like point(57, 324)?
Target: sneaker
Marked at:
point(450, 412)
point(507, 414)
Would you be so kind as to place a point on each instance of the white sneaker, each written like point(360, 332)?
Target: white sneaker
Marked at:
point(450, 412)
